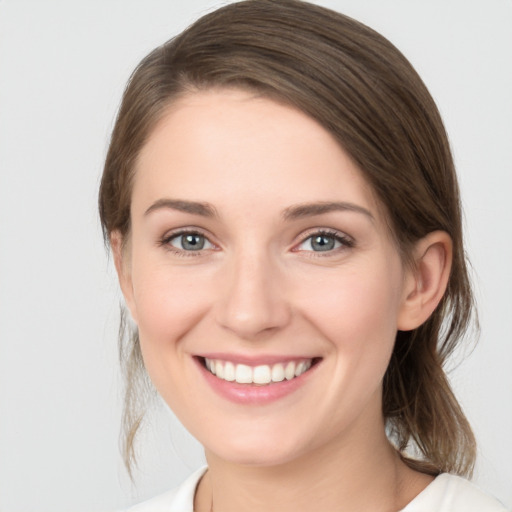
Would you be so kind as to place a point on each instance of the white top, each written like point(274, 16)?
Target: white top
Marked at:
point(447, 493)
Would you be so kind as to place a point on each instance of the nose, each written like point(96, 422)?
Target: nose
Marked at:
point(253, 301)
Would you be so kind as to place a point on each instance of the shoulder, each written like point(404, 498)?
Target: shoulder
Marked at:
point(450, 493)
point(180, 499)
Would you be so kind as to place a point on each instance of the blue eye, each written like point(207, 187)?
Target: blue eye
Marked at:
point(189, 242)
point(324, 242)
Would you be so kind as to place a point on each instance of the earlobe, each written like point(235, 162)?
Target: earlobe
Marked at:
point(426, 283)
point(121, 261)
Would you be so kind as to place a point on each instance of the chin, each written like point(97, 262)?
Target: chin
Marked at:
point(257, 452)
point(257, 458)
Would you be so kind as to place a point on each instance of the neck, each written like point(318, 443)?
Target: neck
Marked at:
point(358, 474)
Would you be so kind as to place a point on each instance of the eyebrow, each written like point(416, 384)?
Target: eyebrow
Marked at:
point(194, 207)
point(291, 213)
point(310, 209)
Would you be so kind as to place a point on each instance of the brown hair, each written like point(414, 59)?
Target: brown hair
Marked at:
point(357, 85)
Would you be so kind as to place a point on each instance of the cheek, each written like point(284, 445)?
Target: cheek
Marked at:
point(356, 305)
point(169, 303)
point(356, 312)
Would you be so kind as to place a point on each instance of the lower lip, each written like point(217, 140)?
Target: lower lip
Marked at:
point(253, 393)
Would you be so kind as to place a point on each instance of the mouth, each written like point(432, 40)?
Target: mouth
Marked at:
point(260, 375)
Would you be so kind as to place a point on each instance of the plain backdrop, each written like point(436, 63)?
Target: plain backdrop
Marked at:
point(63, 66)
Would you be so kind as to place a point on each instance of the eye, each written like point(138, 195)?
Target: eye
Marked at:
point(188, 242)
point(324, 242)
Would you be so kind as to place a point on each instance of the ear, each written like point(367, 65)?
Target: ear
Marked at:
point(425, 283)
point(121, 253)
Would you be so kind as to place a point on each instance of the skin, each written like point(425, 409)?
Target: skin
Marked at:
point(258, 287)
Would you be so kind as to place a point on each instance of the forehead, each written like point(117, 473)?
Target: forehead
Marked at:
point(227, 146)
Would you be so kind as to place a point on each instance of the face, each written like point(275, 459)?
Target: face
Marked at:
point(258, 252)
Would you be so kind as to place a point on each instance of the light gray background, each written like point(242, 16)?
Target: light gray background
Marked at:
point(63, 65)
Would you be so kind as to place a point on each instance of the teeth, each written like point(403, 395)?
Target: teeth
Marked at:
point(298, 369)
point(302, 367)
point(277, 373)
point(243, 374)
point(262, 374)
point(229, 372)
point(219, 369)
point(289, 371)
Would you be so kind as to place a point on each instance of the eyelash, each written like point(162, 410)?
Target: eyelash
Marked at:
point(167, 239)
point(345, 241)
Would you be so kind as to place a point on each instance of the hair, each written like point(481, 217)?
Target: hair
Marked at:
point(363, 91)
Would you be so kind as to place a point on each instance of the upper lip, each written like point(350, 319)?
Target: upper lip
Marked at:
point(255, 359)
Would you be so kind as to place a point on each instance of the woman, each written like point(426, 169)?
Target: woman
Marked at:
point(284, 215)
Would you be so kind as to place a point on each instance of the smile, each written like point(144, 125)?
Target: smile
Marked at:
point(250, 380)
point(261, 375)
